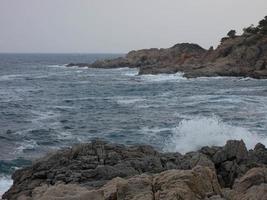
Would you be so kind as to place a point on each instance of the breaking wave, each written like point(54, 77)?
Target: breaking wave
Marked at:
point(192, 134)
point(163, 77)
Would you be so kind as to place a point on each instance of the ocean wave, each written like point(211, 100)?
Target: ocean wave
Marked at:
point(26, 145)
point(5, 183)
point(128, 100)
point(131, 72)
point(43, 115)
point(163, 77)
point(192, 134)
point(11, 77)
point(57, 66)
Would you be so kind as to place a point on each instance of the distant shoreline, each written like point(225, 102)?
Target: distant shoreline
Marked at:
point(238, 55)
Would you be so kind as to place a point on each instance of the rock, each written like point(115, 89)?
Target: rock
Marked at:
point(252, 186)
point(254, 193)
point(229, 160)
point(259, 147)
point(186, 184)
point(192, 159)
point(107, 171)
point(255, 176)
point(91, 164)
point(198, 183)
point(151, 60)
point(66, 192)
point(258, 156)
point(136, 188)
point(244, 55)
point(232, 150)
point(216, 197)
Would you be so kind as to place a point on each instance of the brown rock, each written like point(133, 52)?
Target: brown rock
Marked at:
point(199, 183)
point(188, 184)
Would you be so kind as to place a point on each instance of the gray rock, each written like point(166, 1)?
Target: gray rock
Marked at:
point(92, 165)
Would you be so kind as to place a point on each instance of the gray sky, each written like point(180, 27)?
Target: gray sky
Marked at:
point(110, 26)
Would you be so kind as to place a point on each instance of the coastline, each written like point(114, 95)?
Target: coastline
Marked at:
point(203, 157)
point(242, 55)
point(100, 170)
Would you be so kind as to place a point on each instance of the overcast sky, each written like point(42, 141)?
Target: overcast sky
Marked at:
point(117, 26)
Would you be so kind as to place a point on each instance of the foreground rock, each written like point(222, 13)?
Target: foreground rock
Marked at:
point(101, 170)
point(244, 55)
point(198, 183)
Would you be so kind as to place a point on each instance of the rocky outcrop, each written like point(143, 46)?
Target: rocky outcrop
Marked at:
point(102, 169)
point(163, 59)
point(198, 183)
point(105, 64)
point(244, 55)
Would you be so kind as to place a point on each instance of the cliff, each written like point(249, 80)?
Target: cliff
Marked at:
point(244, 55)
point(104, 171)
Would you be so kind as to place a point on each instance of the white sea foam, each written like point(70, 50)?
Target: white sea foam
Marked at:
point(163, 77)
point(76, 67)
point(125, 71)
point(131, 72)
point(26, 145)
point(5, 183)
point(10, 77)
point(127, 100)
point(57, 66)
point(192, 134)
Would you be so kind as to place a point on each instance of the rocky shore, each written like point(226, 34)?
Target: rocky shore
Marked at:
point(244, 55)
point(105, 171)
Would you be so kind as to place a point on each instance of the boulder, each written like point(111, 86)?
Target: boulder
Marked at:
point(233, 150)
point(198, 183)
point(252, 186)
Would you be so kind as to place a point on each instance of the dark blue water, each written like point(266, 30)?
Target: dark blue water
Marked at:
point(46, 106)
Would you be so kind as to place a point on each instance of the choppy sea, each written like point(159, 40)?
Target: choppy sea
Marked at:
point(46, 106)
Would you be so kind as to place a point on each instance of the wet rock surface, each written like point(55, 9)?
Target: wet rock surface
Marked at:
point(100, 170)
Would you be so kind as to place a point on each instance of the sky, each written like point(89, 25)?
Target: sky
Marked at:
point(118, 26)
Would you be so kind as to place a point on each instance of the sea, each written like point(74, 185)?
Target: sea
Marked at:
point(45, 106)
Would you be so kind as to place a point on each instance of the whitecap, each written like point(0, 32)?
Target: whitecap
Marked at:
point(127, 101)
point(57, 66)
point(163, 77)
point(192, 134)
point(77, 67)
point(10, 77)
point(131, 72)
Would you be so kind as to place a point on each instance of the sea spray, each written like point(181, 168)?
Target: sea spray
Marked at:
point(5, 183)
point(192, 134)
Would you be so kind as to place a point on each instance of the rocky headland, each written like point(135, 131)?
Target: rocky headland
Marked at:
point(105, 171)
point(238, 55)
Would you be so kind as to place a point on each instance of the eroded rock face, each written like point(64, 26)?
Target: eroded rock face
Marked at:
point(140, 168)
